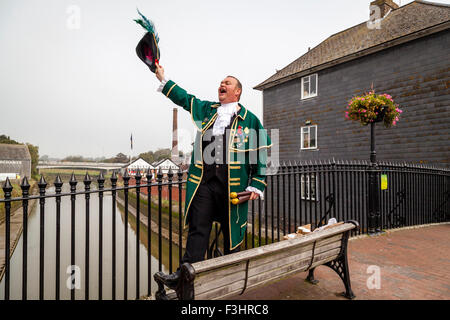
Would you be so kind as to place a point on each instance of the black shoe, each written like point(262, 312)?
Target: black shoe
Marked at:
point(170, 280)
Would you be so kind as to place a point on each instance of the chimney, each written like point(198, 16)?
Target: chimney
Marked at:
point(384, 6)
point(175, 154)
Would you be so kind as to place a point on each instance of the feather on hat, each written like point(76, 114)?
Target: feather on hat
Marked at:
point(147, 49)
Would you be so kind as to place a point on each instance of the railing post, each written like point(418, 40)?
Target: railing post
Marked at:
point(126, 179)
point(138, 178)
point(101, 184)
point(7, 189)
point(149, 230)
point(113, 249)
point(159, 179)
point(169, 178)
point(42, 185)
point(58, 188)
point(25, 186)
point(87, 187)
point(180, 215)
point(73, 188)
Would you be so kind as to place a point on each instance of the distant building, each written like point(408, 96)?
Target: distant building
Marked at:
point(15, 161)
point(138, 165)
point(165, 165)
point(404, 53)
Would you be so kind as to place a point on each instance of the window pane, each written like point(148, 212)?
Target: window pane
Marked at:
point(313, 89)
point(306, 140)
point(305, 87)
point(313, 133)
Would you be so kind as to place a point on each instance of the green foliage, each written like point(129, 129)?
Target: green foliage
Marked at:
point(7, 140)
point(155, 156)
point(34, 153)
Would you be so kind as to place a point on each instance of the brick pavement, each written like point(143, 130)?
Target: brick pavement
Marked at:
point(414, 264)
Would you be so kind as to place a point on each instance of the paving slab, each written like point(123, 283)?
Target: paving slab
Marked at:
point(412, 264)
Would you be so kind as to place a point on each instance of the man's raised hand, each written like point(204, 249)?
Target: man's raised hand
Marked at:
point(159, 72)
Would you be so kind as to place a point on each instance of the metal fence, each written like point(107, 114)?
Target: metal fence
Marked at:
point(299, 194)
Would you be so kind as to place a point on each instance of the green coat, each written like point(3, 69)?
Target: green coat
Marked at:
point(247, 155)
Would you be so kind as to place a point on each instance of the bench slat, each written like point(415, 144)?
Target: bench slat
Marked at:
point(303, 258)
point(285, 270)
point(212, 274)
point(203, 266)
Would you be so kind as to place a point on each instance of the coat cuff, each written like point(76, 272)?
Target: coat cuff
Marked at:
point(167, 89)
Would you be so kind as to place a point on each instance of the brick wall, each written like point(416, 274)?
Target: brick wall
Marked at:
point(416, 74)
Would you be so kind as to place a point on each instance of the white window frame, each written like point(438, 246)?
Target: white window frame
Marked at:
point(317, 86)
point(309, 135)
point(305, 186)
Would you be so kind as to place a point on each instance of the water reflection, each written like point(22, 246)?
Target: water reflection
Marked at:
point(80, 246)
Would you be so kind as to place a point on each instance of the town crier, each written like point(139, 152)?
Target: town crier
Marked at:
point(230, 155)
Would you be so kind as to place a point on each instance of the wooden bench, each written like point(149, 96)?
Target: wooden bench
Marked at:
point(225, 276)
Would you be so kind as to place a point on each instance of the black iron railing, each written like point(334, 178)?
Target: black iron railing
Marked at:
point(296, 194)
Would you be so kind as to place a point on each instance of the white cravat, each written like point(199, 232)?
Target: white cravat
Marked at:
point(224, 112)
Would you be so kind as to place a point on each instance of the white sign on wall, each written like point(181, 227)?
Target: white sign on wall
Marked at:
point(11, 176)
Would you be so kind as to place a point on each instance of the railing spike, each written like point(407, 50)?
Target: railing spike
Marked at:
point(24, 183)
point(58, 180)
point(87, 178)
point(42, 183)
point(7, 184)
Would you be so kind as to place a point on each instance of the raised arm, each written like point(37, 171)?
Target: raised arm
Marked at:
point(179, 96)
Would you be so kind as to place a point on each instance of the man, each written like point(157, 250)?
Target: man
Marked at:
point(229, 155)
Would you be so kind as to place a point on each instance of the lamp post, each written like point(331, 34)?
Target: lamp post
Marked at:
point(374, 218)
point(374, 208)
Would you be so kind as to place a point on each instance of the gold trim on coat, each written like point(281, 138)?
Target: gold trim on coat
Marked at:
point(168, 92)
point(263, 182)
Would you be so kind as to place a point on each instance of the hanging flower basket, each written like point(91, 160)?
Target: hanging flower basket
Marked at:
point(372, 108)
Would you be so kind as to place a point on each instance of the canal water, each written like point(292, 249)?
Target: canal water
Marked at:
point(80, 247)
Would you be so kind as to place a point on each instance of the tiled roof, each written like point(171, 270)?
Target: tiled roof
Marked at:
point(409, 19)
point(14, 152)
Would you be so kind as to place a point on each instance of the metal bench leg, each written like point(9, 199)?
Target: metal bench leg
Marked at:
point(310, 277)
point(340, 266)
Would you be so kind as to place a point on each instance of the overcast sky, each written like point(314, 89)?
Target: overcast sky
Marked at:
point(71, 83)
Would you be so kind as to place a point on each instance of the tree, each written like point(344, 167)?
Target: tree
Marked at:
point(158, 155)
point(7, 140)
point(34, 153)
point(121, 158)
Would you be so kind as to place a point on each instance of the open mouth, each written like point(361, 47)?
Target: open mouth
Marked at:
point(223, 90)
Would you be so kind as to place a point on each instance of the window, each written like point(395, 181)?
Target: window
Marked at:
point(309, 86)
point(308, 186)
point(308, 138)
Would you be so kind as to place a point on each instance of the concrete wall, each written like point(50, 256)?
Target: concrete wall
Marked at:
point(415, 74)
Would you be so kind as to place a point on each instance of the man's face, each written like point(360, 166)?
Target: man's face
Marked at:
point(229, 91)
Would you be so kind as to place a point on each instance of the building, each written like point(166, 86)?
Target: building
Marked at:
point(15, 161)
point(165, 165)
point(138, 165)
point(404, 53)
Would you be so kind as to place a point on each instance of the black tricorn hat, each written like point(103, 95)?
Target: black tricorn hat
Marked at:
point(148, 51)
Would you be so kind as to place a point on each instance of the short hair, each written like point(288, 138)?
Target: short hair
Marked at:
point(239, 85)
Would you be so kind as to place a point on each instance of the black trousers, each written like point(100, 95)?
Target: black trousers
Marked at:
point(210, 204)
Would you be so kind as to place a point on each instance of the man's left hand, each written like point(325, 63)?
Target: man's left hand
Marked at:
point(254, 196)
